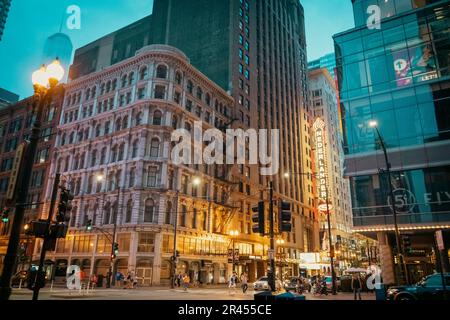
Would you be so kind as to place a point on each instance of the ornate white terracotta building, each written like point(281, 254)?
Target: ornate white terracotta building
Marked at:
point(117, 124)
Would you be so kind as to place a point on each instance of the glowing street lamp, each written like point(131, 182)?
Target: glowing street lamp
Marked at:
point(45, 81)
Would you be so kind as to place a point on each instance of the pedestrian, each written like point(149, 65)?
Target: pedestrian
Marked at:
point(94, 281)
point(179, 279)
point(232, 283)
point(129, 281)
point(356, 285)
point(186, 281)
point(244, 281)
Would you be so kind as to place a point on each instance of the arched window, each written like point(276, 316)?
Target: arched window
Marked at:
point(125, 122)
point(121, 152)
point(174, 122)
point(90, 184)
point(82, 157)
point(134, 152)
point(103, 156)
point(66, 165)
point(72, 138)
point(59, 165)
point(157, 118)
point(114, 84)
point(131, 79)
point(102, 89)
point(114, 154)
point(183, 216)
point(88, 94)
point(190, 87)
point(178, 77)
point(208, 99)
point(199, 93)
point(161, 72)
point(132, 178)
point(154, 148)
point(98, 130)
point(143, 73)
point(129, 211)
point(138, 119)
point(86, 134)
point(115, 212)
point(118, 124)
point(93, 92)
point(73, 214)
point(188, 126)
point(80, 136)
point(107, 213)
point(63, 139)
point(94, 158)
point(168, 216)
point(76, 162)
point(149, 211)
point(124, 81)
point(108, 86)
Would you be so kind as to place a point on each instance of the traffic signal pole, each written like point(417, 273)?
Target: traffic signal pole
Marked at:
point(41, 272)
point(22, 194)
point(272, 239)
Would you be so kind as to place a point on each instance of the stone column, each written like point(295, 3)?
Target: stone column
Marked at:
point(157, 260)
point(386, 259)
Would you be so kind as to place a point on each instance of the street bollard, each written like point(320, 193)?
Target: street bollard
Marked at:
point(20, 284)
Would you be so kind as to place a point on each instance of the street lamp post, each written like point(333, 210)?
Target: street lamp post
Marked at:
point(45, 81)
point(110, 279)
point(234, 234)
point(330, 242)
point(374, 124)
point(280, 243)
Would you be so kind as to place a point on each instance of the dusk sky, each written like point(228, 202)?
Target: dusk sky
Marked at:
point(30, 22)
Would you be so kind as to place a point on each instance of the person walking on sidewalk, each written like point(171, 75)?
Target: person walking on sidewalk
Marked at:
point(186, 281)
point(356, 285)
point(244, 281)
point(232, 283)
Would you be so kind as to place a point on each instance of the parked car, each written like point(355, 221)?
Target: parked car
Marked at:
point(290, 284)
point(262, 284)
point(21, 275)
point(429, 288)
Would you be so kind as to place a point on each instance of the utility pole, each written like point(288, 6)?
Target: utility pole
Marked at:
point(175, 230)
point(45, 243)
point(330, 243)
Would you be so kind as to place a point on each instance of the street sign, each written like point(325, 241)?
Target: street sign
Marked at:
point(440, 240)
point(230, 255)
point(15, 172)
point(236, 254)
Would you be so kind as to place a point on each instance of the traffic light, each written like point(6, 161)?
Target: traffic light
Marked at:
point(258, 218)
point(285, 217)
point(5, 215)
point(406, 241)
point(89, 225)
point(64, 206)
point(115, 250)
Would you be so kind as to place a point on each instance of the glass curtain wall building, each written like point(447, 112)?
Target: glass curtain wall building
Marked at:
point(398, 76)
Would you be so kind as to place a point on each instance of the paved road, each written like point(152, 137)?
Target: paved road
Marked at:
point(161, 294)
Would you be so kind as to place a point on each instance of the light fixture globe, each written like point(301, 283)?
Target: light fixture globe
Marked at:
point(40, 77)
point(373, 124)
point(55, 70)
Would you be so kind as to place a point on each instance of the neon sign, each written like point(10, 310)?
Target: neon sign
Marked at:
point(319, 127)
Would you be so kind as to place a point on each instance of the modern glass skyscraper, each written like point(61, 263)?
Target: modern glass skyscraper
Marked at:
point(4, 10)
point(327, 61)
point(399, 77)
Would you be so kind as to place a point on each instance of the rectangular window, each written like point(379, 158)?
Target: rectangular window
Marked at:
point(146, 242)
